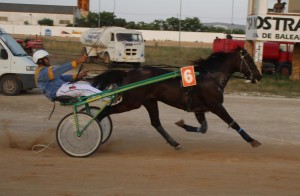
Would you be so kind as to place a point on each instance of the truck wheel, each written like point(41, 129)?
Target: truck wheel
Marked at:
point(10, 86)
point(284, 71)
point(91, 59)
point(106, 58)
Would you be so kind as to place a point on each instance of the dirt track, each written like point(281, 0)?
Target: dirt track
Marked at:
point(137, 161)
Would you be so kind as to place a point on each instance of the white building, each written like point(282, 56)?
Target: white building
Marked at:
point(20, 14)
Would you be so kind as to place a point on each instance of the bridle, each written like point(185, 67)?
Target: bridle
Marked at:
point(244, 62)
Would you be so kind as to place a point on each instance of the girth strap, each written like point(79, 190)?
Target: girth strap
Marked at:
point(189, 93)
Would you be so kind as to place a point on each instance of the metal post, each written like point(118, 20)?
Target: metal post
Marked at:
point(180, 6)
point(30, 19)
point(232, 16)
point(99, 13)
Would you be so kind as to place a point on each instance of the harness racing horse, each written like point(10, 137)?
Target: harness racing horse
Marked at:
point(206, 96)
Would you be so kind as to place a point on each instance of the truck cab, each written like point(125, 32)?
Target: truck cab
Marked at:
point(16, 67)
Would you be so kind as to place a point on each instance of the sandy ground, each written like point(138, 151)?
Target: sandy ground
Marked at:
point(137, 161)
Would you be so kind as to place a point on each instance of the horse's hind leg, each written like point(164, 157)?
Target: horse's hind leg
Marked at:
point(220, 111)
point(152, 108)
point(200, 116)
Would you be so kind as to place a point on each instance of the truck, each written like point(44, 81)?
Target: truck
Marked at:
point(114, 44)
point(31, 45)
point(17, 69)
point(277, 56)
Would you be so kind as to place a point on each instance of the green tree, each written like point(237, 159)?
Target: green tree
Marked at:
point(191, 24)
point(107, 19)
point(131, 25)
point(172, 24)
point(158, 25)
point(46, 22)
point(120, 22)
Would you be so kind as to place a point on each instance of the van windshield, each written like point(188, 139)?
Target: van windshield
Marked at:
point(129, 37)
point(14, 47)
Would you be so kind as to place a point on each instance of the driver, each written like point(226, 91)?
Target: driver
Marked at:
point(53, 83)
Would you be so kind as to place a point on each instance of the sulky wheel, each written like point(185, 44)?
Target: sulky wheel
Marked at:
point(106, 123)
point(74, 145)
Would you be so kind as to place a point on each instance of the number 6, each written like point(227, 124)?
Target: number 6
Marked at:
point(188, 76)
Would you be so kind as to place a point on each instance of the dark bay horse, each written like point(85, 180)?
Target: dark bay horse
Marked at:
point(206, 96)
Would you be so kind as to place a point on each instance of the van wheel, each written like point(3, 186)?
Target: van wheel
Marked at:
point(106, 58)
point(10, 86)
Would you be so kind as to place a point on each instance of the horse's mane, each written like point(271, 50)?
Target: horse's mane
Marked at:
point(210, 63)
point(107, 78)
point(213, 61)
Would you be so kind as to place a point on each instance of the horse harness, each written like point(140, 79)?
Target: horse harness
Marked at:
point(243, 60)
point(189, 90)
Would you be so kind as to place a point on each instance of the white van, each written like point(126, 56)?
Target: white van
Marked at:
point(16, 67)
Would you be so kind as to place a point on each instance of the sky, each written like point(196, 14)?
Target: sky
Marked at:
point(150, 10)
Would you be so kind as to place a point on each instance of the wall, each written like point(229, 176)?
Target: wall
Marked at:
point(17, 18)
point(148, 35)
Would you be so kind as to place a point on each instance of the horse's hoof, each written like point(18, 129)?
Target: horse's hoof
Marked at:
point(180, 123)
point(178, 147)
point(255, 143)
point(203, 129)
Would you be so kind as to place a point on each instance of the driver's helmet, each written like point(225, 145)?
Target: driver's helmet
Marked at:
point(39, 55)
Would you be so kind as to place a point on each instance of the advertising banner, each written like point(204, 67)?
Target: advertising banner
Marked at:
point(273, 28)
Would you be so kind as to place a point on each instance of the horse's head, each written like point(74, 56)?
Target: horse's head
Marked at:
point(247, 66)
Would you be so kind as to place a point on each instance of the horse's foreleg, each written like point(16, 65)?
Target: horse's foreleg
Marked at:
point(200, 118)
point(152, 108)
point(223, 114)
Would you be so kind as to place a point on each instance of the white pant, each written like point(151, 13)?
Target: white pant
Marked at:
point(77, 89)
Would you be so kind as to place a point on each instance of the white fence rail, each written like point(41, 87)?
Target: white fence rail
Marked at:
point(147, 34)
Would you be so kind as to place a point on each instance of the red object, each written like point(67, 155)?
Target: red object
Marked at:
point(272, 51)
point(188, 76)
point(31, 45)
point(277, 56)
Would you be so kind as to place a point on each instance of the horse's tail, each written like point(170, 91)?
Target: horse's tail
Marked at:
point(107, 78)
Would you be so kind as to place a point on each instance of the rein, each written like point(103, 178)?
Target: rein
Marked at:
point(82, 65)
point(243, 60)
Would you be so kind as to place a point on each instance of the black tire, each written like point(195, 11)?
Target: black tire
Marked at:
point(285, 71)
point(91, 59)
point(136, 65)
point(106, 58)
point(106, 123)
point(10, 86)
